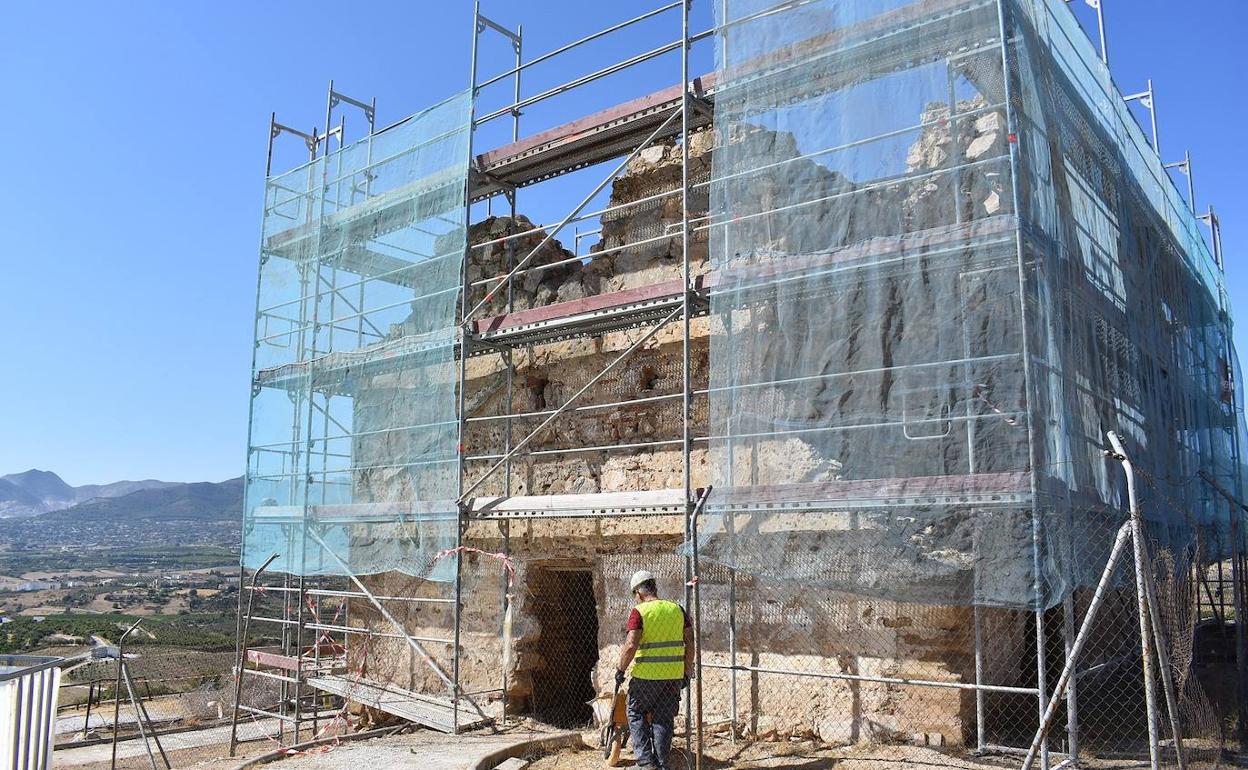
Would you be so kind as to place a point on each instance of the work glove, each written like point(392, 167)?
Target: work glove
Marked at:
point(619, 678)
point(684, 682)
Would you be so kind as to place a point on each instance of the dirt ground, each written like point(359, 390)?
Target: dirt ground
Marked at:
point(214, 756)
point(797, 755)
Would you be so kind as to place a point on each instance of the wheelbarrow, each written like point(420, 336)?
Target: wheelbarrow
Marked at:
point(611, 714)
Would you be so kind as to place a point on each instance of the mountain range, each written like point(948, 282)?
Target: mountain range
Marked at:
point(122, 514)
point(34, 491)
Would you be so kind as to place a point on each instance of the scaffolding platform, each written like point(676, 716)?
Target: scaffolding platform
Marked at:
point(425, 511)
point(335, 372)
point(591, 316)
point(423, 709)
point(656, 502)
point(579, 143)
point(273, 657)
point(995, 489)
point(371, 218)
point(987, 238)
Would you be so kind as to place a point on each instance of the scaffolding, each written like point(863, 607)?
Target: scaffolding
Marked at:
point(904, 247)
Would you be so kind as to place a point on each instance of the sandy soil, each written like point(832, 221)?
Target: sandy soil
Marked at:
point(73, 573)
point(42, 610)
point(797, 755)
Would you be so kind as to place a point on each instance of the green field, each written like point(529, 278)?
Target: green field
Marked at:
point(134, 558)
point(200, 631)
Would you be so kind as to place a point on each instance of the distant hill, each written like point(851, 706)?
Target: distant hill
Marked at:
point(199, 501)
point(186, 514)
point(15, 501)
point(34, 491)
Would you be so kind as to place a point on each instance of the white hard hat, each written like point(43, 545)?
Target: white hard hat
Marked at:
point(639, 577)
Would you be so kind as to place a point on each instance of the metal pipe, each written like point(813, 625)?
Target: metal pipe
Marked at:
point(1146, 100)
point(1163, 661)
point(299, 626)
point(138, 715)
point(1141, 564)
point(458, 616)
point(1012, 121)
point(462, 395)
point(268, 162)
point(518, 45)
point(329, 116)
point(1152, 110)
point(141, 713)
point(580, 449)
point(505, 631)
point(275, 715)
point(263, 619)
point(268, 675)
point(757, 434)
point(538, 60)
point(373, 632)
point(686, 306)
point(578, 258)
point(86, 720)
point(697, 618)
point(1185, 166)
point(484, 22)
point(1100, 25)
point(584, 79)
point(585, 408)
point(875, 679)
point(981, 729)
point(241, 659)
point(117, 701)
point(1081, 640)
point(878, 185)
point(1072, 700)
point(358, 595)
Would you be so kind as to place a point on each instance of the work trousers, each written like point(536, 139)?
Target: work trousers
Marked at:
point(660, 698)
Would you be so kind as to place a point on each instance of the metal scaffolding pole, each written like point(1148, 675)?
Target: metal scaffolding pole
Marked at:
point(240, 660)
point(1185, 166)
point(1146, 98)
point(1012, 120)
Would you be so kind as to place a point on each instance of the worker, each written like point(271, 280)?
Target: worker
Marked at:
point(660, 642)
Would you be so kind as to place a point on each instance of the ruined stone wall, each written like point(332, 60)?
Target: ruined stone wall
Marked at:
point(780, 627)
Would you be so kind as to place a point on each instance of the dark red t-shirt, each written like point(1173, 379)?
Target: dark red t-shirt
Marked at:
point(634, 620)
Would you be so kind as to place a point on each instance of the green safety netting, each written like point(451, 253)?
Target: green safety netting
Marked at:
point(944, 267)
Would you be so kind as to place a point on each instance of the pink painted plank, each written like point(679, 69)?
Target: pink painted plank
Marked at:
point(574, 307)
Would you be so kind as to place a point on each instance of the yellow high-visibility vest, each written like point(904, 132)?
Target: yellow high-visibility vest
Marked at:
point(662, 651)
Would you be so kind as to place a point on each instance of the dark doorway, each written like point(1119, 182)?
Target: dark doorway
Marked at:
point(563, 602)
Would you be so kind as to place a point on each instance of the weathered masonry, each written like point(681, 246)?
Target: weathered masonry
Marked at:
point(829, 338)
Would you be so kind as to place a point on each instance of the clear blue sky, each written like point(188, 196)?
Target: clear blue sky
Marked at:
point(133, 136)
